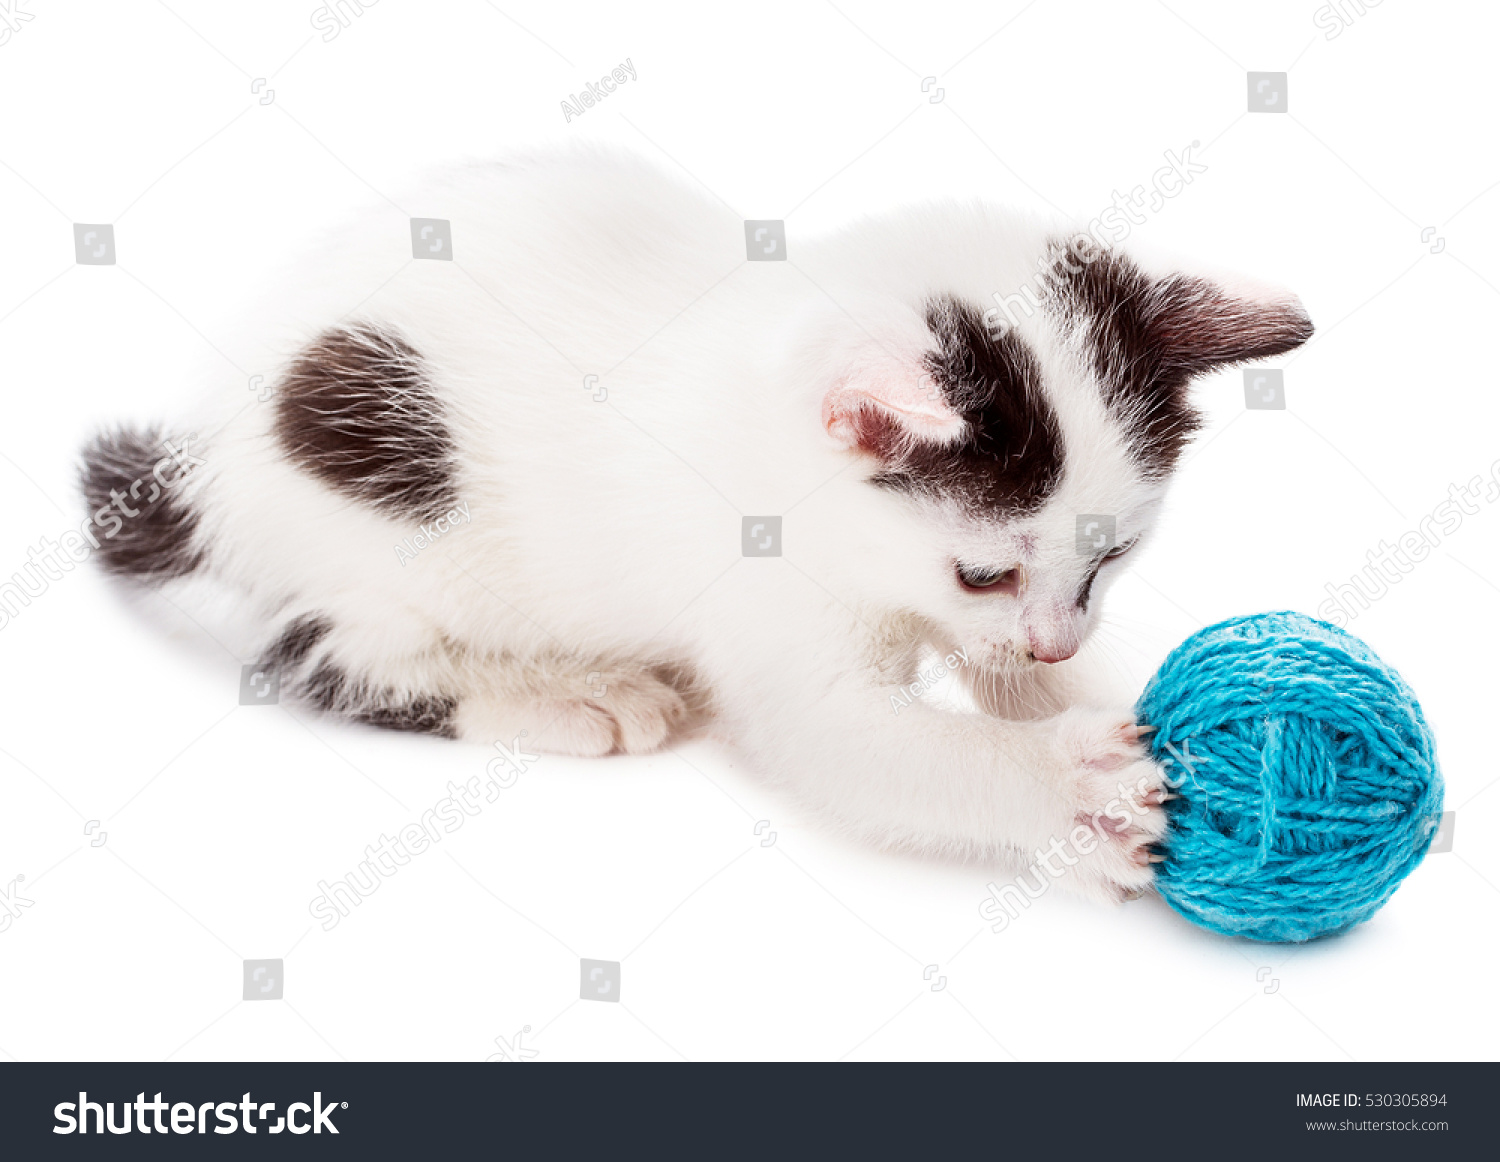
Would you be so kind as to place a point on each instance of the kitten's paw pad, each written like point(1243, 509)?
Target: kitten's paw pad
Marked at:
point(1117, 792)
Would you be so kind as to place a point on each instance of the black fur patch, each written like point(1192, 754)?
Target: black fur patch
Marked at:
point(356, 411)
point(297, 641)
point(331, 690)
point(1149, 338)
point(143, 526)
point(1010, 458)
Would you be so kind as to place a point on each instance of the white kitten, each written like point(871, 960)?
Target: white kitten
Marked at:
point(528, 489)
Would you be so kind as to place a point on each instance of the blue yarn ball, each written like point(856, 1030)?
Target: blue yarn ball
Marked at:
point(1309, 786)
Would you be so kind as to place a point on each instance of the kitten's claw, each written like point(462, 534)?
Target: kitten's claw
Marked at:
point(1118, 790)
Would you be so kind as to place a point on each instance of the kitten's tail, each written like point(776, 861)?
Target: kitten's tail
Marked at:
point(140, 518)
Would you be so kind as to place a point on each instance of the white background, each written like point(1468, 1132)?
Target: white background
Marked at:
point(221, 819)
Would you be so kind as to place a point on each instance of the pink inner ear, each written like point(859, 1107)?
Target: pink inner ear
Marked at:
point(913, 401)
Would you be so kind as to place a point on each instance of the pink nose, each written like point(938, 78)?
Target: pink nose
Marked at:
point(1044, 650)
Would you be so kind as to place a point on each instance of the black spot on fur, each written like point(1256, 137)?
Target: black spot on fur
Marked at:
point(1149, 338)
point(297, 641)
point(144, 527)
point(1010, 457)
point(356, 411)
point(331, 690)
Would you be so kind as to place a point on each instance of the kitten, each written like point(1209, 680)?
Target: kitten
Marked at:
point(527, 490)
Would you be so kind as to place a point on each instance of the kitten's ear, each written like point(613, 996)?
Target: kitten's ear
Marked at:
point(1200, 324)
point(883, 404)
point(1163, 327)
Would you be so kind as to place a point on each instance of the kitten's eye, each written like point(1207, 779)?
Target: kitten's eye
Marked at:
point(975, 577)
point(1121, 550)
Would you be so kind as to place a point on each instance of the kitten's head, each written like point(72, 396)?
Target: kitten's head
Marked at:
point(1029, 448)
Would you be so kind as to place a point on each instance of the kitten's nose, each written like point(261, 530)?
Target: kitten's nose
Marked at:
point(1051, 649)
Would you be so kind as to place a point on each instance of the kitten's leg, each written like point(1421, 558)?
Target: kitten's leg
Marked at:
point(1045, 693)
point(1076, 784)
point(562, 705)
point(338, 670)
point(571, 707)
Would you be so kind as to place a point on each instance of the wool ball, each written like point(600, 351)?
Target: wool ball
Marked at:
point(1306, 777)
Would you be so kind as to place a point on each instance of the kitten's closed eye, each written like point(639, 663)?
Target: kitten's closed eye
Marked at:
point(978, 578)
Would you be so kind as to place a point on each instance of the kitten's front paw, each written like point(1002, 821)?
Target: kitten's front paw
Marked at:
point(1115, 791)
